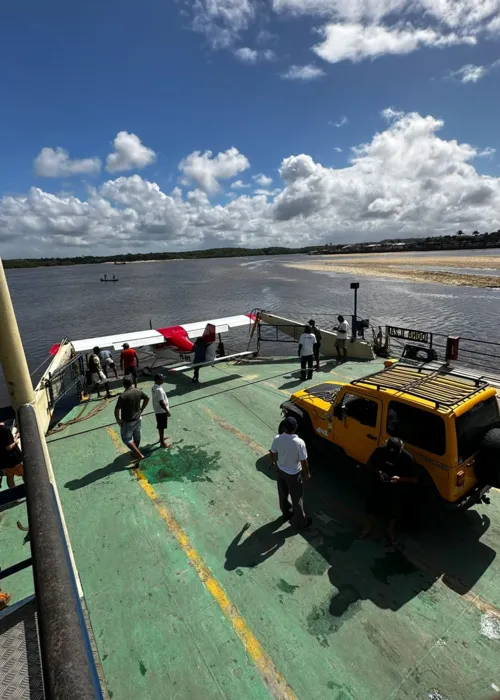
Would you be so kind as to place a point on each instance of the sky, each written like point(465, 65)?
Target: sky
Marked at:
point(163, 125)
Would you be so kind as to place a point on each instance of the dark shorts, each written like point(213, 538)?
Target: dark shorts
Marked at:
point(161, 421)
point(132, 371)
point(386, 501)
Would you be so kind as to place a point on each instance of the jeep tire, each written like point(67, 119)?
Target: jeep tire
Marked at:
point(488, 459)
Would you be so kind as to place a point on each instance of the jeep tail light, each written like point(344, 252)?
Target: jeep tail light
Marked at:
point(461, 477)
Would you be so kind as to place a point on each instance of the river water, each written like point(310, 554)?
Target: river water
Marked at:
point(52, 303)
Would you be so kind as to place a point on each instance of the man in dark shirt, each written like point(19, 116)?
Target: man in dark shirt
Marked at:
point(11, 459)
point(131, 405)
point(393, 471)
point(317, 344)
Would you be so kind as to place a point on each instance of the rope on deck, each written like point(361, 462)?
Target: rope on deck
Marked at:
point(82, 416)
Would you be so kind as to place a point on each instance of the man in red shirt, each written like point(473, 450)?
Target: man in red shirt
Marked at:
point(129, 362)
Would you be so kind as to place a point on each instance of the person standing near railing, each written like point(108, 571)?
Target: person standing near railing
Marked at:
point(341, 342)
point(317, 344)
point(306, 352)
point(11, 458)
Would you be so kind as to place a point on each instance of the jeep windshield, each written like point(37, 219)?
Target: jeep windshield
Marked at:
point(473, 426)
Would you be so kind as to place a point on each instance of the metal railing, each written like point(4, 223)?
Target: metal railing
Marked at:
point(69, 669)
point(60, 383)
point(472, 352)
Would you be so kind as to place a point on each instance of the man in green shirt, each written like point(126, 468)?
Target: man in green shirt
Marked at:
point(129, 408)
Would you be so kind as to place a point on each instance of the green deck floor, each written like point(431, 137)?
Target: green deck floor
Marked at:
point(335, 617)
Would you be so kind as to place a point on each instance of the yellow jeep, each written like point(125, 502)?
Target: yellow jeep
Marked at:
point(448, 421)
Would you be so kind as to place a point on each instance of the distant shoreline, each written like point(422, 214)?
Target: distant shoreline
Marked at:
point(484, 242)
point(381, 266)
point(134, 262)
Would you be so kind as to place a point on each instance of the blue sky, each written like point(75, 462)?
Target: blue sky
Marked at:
point(216, 75)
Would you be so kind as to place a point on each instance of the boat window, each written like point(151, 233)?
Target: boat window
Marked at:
point(417, 427)
point(362, 410)
point(473, 426)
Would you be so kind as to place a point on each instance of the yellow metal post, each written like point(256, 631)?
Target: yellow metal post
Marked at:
point(12, 357)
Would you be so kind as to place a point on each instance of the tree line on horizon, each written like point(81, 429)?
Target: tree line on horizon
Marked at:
point(448, 242)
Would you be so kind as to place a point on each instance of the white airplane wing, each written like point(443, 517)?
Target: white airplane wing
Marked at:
point(135, 339)
point(139, 339)
point(222, 325)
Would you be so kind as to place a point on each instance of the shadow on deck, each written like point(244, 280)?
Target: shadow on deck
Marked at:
point(367, 569)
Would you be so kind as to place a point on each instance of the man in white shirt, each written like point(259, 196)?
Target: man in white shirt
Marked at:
point(161, 408)
point(289, 455)
point(342, 333)
point(307, 341)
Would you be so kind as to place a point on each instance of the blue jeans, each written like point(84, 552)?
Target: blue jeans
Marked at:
point(131, 431)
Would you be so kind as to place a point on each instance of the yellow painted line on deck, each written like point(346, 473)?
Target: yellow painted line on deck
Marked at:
point(255, 446)
point(276, 683)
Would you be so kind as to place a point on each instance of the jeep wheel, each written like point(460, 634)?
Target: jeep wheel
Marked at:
point(425, 500)
point(488, 459)
point(303, 431)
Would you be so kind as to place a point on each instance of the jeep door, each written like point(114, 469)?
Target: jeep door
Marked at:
point(356, 424)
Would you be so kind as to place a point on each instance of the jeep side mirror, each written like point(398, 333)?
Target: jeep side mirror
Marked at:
point(338, 411)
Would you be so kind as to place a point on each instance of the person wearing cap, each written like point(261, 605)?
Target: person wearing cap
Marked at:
point(393, 473)
point(161, 407)
point(289, 455)
point(129, 362)
point(94, 365)
point(317, 345)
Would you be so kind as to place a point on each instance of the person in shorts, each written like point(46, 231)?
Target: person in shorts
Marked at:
point(98, 375)
point(11, 458)
point(161, 408)
point(129, 362)
point(393, 473)
point(128, 411)
point(341, 342)
point(107, 362)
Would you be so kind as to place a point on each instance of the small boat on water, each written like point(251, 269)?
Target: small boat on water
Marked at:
point(110, 279)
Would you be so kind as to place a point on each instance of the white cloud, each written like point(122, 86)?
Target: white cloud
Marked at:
point(390, 113)
point(222, 21)
point(469, 15)
point(129, 153)
point(487, 152)
point(339, 150)
point(308, 72)
point(345, 10)
point(354, 29)
point(55, 162)
point(205, 170)
point(248, 55)
point(471, 73)
point(239, 185)
point(262, 180)
point(406, 181)
point(462, 15)
point(341, 122)
point(355, 42)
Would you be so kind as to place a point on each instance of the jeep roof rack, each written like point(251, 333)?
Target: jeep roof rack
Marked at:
point(441, 387)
